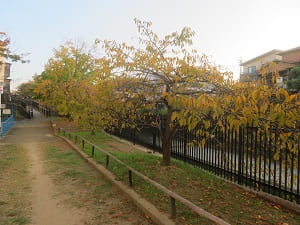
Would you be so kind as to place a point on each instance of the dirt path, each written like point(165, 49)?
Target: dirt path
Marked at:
point(46, 209)
point(47, 200)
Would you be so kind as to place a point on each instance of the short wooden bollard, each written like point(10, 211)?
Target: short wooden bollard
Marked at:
point(130, 178)
point(173, 207)
point(93, 151)
point(107, 161)
point(82, 144)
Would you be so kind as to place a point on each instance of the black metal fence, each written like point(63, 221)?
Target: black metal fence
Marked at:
point(246, 156)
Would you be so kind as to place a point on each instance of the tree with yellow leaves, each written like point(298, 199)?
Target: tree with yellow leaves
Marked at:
point(164, 72)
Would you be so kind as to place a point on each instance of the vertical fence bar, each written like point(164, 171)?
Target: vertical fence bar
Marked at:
point(218, 149)
point(222, 150)
point(199, 150)
point(215, 151)
point(231, 155)
point(255, 156)
point(154, 139)
point(270, 159)
point(185, 145)
point(243, 173)
point(251, 155)
point(227, 153)
point(275, 162)
point(265, 157)
point(205, 151)
point(298, 173)
point(280, 171)
point(240, 157)
point(235, 152)
point(285, 172)
point(259, 164)
point(292, 176)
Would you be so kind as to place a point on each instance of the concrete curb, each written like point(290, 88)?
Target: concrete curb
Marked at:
point(140, 202)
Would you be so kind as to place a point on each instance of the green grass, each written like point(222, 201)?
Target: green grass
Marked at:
point(215, 195)
point(14, 186)
point(97, 139)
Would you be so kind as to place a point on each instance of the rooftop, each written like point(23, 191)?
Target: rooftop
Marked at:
point(274, 51)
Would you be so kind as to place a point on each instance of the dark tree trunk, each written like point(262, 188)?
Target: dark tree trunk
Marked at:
point(166, 148)
point(166, 137)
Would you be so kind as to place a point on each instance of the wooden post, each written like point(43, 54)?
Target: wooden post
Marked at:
point(93, 151)
point(130, 178)
point(173, 207)
point(107, 161)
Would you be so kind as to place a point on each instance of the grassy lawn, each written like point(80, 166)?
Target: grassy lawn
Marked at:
point(80, 186)
point(218, 197)
point(15, 186)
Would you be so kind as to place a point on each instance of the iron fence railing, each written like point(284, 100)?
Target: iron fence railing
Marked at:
point(7, 125)
point(249, 156)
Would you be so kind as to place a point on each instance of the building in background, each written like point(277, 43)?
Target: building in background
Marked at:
point(284, 60)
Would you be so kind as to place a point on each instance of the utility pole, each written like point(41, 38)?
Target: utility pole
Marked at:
point(240, 62)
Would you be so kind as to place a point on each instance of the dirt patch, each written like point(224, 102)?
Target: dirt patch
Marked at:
point(80, 186)
point(45, 208)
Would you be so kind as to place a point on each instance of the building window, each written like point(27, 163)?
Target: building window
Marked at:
point(251, 69)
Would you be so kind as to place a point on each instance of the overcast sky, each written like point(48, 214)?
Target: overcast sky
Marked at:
point(226, 30)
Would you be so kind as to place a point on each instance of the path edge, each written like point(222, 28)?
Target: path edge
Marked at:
point(147, 207)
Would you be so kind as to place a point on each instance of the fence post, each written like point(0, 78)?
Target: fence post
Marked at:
point(173, 207)
point(130, 178)
point(107, 161)
point(83, 144)
point(75, 139)
point(93, 150)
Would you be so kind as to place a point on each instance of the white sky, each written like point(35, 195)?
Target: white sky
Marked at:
point(226, 30)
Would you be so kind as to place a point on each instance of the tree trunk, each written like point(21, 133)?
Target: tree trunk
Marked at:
point(166, 149)
point(166, 137)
